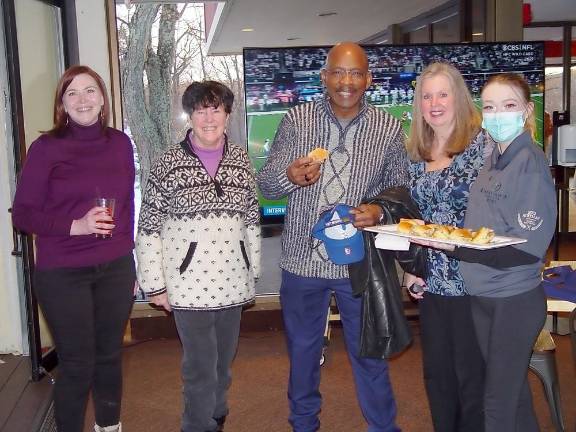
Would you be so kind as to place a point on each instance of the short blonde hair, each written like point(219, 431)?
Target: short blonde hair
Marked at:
point(519, 83)
point(467, 118)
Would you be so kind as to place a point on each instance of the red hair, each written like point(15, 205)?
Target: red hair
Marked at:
point(60, 115)
point(522, 89)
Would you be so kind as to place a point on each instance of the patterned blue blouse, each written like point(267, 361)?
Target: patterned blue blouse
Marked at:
point(442, 198)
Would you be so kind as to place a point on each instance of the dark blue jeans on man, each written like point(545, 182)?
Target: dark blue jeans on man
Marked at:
point(304, 307)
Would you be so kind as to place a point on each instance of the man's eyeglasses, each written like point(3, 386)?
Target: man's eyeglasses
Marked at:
point(340, 74)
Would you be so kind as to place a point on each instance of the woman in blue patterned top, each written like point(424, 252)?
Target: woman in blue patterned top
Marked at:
point(447, 150)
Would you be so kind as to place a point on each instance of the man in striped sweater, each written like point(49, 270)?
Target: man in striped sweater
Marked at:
point(366, 156)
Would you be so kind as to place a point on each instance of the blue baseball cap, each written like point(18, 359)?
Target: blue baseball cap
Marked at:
point(343, 242)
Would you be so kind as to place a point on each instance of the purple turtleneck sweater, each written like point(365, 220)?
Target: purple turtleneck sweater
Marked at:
point(210, 158)
point(58, 184)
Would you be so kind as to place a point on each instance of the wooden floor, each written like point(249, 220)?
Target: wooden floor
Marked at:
point(23, 403)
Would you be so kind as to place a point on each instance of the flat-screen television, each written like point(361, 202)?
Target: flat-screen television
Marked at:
point(276, 79)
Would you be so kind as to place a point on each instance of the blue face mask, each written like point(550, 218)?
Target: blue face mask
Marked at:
point(503, 126)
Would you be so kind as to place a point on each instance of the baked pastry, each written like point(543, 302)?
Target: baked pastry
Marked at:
point(442, 232)
point(405, 225)
point(461, 234)
point(445, 232)
point(483, 235)
point(423, 230)
point(318, 154)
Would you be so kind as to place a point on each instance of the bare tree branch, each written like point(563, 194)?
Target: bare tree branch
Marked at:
point(144, 131)
point(156, 69)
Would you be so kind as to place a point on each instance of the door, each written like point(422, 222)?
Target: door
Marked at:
point(36, 52)
point(12, 309)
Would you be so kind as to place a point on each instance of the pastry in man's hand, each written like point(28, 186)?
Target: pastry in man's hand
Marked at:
point(318, 154)
point(483, 236)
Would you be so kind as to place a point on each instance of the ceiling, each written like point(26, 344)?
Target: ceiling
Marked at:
point(553, 10)
point(276, 22)
point(300, 22)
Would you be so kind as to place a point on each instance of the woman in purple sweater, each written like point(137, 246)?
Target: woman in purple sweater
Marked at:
point(84, 282)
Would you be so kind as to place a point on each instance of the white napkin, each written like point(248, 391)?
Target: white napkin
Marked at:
point(391, 242)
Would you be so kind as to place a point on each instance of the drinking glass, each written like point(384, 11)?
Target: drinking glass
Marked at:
point(109, 204)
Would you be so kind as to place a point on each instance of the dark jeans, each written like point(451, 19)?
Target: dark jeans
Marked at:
point(209, 341)
point(507, 329)
point(453, 364)
point(87, 309)
point(304, 308)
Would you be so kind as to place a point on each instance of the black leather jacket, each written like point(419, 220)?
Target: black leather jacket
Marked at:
point(385, 330)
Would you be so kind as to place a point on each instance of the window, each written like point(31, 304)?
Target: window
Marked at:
point(161, 50)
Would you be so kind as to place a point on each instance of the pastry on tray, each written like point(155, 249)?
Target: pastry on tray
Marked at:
point(445, 232)
point(461, 234)
point(442, 232)
point(483, 236)
point(405, 225)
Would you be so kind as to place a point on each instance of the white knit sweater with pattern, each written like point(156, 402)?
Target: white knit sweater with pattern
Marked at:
point(198, 236)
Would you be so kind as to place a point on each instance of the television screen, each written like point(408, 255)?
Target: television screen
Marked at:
point(276, 79)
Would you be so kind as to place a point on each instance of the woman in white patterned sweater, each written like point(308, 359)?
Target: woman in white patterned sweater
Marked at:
point(198, 249)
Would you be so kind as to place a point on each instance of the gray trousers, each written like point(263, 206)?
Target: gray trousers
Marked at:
point(507, 329)
point(209, 341)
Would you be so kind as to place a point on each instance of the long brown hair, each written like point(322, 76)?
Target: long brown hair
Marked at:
point(522, 88)
point(467, 118)
point(60, 115)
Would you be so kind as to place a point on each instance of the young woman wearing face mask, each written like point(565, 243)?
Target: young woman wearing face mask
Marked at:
point(513, 194)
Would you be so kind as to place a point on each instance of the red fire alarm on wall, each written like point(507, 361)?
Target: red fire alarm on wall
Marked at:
point(526, 13)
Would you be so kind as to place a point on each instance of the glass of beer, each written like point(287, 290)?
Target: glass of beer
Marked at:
point(109, 204)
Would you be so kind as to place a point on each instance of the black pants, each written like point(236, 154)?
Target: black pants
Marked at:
point(453, 364)
point(209, 341)
point(87, 309)
point(507, 329)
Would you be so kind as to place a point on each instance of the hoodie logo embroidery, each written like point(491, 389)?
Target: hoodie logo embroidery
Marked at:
point(529, 221)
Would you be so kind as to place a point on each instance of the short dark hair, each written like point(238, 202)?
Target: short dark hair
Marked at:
point(202, 94)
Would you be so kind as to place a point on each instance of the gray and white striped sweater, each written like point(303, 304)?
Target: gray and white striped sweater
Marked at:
point(366, 157)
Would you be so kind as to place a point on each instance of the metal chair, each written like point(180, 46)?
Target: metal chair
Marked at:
point(543, 364)
point(543, 361)
point(333, 315)
point(572, 327)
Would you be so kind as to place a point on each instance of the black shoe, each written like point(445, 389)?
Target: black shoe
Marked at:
point(220, 422)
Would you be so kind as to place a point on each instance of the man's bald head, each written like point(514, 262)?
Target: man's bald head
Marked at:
point(346, 78)
point(351, 50)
